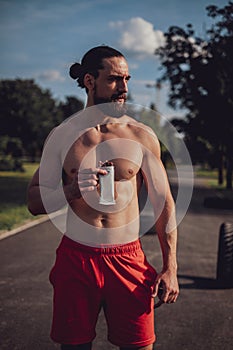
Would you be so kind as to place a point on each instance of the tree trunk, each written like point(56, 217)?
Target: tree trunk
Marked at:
point(220, 174)
point(229, 173)
point(220, 167)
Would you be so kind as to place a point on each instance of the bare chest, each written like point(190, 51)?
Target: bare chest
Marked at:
point(88, 151)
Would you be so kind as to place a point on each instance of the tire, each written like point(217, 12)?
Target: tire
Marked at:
point(225, 255)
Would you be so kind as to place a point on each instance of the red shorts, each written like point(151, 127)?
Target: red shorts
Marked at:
point(119, 279)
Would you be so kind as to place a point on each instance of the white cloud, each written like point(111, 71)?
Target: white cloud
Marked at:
point(138, 36)
point(51, 75)
point(144, 82)
point(133, 66)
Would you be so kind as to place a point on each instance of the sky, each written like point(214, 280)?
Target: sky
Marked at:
point(40, 39)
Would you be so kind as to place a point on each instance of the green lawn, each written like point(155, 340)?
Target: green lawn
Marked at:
point(210, 174)
point(13, 188)
point(212, 179)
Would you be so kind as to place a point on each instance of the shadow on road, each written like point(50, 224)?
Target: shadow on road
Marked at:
point(194, 282)
point(206, 199)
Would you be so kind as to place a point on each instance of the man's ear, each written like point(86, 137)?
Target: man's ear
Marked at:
point(89, 81)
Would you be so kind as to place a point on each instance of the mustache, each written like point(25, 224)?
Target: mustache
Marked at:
point(119, 95)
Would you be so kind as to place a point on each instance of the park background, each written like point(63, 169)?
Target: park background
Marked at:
point(180, 59)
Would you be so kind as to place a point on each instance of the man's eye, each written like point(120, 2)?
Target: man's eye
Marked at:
point(112, 79)
point(117, 79)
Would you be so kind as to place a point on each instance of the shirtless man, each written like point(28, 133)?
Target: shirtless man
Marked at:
point(99, 261)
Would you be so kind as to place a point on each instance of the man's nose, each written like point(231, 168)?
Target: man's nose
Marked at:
point(123, 86)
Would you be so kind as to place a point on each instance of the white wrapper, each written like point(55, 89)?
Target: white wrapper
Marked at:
point(107, 186)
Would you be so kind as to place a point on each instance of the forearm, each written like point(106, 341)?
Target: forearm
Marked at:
point(168, 244)
point(42, 200)
point(167, 234)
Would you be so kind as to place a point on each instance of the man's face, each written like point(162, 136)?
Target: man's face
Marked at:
point(111, 84)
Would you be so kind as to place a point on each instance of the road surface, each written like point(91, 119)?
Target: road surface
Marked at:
point(201, 319)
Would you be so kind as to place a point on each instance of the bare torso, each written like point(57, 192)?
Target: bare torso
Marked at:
point(119, 143)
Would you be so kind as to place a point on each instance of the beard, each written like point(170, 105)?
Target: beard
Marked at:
point(110, 105)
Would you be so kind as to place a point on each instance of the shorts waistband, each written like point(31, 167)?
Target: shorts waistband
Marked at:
point(110, 250)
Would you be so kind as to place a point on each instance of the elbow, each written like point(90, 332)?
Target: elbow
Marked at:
point(34, 209)
point(34, 202)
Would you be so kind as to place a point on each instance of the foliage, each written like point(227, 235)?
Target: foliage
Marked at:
point(11, 151)
point(200, 72)
point(70, 106)
point(8, 163)
point(27, 115)
point(13, 186)
point(167, 135)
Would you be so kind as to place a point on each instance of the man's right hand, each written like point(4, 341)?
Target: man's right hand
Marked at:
point(84, 181)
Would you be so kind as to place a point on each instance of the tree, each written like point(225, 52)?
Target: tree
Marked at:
point(11, 151)
point(71, 106)
point(200, 74)
point(221, 36)
point(27, 113)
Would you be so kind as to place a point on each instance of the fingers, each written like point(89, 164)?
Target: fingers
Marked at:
point(87, 182)
point(92, 171)
point(165, 294)
point(155, 289)
point(158, 292)
point(169, 297)
point(161, 302)
point(88, 179)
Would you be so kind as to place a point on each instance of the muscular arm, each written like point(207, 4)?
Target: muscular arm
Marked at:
point(49, 191)
point(161, 198)
point(46, 192)
point(53, 197)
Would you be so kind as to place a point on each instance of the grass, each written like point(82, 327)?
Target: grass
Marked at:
point(211, 177)
point(13, 188)
point(210, 174)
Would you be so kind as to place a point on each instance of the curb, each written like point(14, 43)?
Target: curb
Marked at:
point(24, 227)
point(30, 224)
point(33, 223)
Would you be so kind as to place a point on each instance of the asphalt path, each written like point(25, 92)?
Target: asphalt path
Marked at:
point(202, 317)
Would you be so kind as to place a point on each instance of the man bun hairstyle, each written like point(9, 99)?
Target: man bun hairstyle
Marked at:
point(76, 70)
point(91, 62)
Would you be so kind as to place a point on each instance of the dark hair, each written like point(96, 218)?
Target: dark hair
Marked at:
point(91, 62)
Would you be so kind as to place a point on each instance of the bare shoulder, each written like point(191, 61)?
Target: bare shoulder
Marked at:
point(144, 134)
point(64, 135)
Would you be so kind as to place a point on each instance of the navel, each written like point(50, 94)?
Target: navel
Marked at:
point(103, 221)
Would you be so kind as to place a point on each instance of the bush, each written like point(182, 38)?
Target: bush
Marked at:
point(8, 163)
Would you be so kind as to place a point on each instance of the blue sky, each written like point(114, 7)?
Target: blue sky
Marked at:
point(40, 39)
